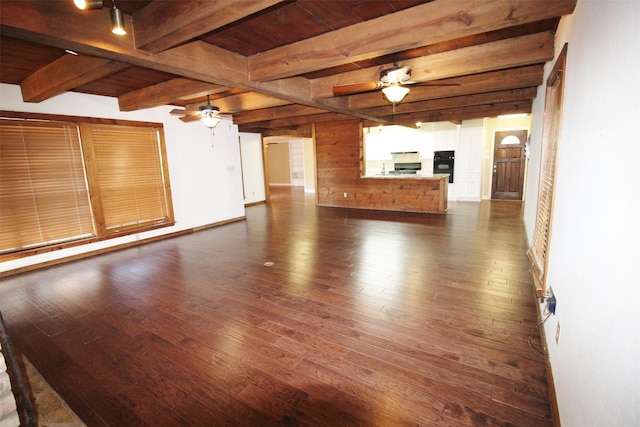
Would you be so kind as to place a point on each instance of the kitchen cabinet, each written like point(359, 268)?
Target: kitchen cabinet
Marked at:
point(468, 164)
point(468, 145)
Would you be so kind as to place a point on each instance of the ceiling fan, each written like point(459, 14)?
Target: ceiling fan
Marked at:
point(392, 82)
point(209, 114)
point(395, 77)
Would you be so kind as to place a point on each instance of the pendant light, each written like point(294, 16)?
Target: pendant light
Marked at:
point(117, 20)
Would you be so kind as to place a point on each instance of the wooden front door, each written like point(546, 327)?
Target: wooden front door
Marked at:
point(508, 165)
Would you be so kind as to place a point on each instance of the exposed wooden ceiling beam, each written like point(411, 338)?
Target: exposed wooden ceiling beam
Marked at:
point(243, 101)
point(166, 93)
point(449, 109)
point(66, 73)
point(165, 24)
point(502, 54)
point(462, 113)
point(457, 102)
point(275, 113)
point(400, 31)
point(289, 122)
point(492, 81)
point(302, 131)
point(193, 60)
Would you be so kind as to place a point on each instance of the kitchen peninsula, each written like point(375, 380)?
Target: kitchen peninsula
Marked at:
point(407, 192)
point(341, 183)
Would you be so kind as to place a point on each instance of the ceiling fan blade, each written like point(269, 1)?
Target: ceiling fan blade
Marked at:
point(188, 119)
point(183, 112)
point(356, 88)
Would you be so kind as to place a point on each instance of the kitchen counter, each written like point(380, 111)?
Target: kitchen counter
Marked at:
point(403, 192)
point(408, 175)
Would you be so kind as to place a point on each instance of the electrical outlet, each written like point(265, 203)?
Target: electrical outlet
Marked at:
point(550, 299)
point(558, 333)
point(344, 194)
point(552, 305)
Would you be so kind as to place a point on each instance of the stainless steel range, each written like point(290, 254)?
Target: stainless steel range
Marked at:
point(406, 168)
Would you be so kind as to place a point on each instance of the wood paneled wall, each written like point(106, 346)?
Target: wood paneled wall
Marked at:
point(339, 157)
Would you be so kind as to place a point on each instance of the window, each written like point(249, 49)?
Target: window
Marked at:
point(65, 182)
point(129, 176)
point(43, 192)
point(538, 253)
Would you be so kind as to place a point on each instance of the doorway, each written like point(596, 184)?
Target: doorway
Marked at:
point(289, 162)
point(508, 164)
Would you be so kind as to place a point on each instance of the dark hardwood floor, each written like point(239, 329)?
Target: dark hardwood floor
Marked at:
point(365, 318)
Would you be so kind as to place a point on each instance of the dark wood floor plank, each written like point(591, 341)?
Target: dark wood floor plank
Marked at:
point(365, 318)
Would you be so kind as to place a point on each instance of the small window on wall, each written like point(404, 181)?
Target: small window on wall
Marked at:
point(510, 140)
point(66, 183)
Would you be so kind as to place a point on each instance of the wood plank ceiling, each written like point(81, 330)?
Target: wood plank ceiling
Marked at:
point(273, 64)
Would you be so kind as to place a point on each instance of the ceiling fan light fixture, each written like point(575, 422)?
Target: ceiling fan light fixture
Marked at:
point(89, 4)
point(209, 114)
point(395, 92)
point(210, 120)
point(117, 21)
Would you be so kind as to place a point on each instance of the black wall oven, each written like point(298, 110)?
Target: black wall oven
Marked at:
point(443, 163)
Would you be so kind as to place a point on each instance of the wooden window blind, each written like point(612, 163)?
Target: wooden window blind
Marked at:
point(539, 251)
point(71, 180)
point(43, 191)
point(130, 176)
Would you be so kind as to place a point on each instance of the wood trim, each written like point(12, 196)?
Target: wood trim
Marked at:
point(51, 248)
point(114, 248)
point(536, 272)
point(219, 223)
point(553, 397)
point(539, 250)
point(265, 169)
point(88, 254)
point(77, 119)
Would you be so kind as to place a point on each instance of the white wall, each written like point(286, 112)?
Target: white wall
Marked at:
point(252, 167)
point(204, 167)
point(594, 254)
